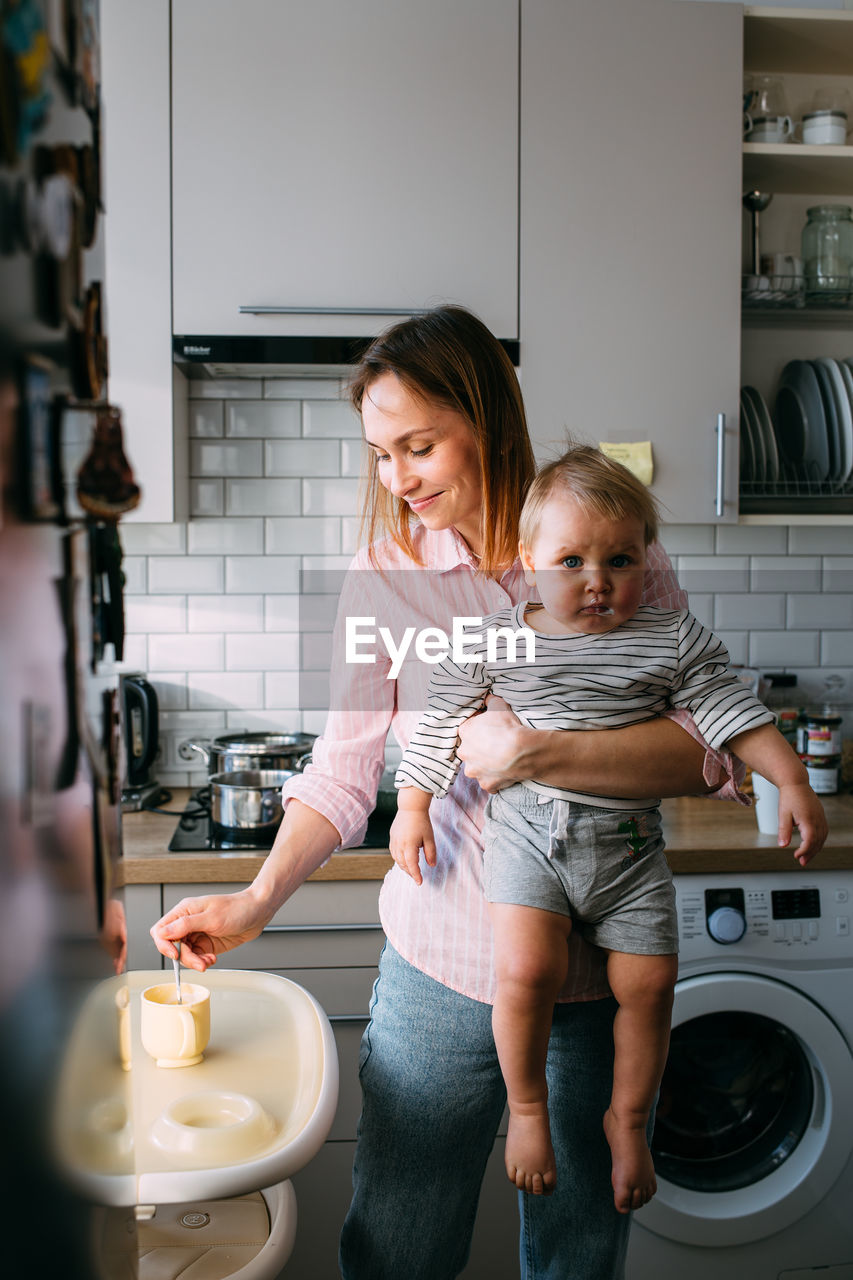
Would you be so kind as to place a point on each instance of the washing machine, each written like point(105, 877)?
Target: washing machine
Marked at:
point(753, 1140)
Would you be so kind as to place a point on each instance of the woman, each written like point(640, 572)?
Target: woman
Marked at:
point(444, 423)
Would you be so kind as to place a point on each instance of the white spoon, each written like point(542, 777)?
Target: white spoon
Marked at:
point(176, 964)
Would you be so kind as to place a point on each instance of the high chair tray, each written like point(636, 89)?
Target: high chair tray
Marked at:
point(255, 1110)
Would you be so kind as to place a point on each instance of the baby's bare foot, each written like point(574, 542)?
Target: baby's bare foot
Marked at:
point(529, 1158)
point(633, 1175)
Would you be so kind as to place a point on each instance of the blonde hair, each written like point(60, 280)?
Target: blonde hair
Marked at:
point(448, 356)
point(597, 483)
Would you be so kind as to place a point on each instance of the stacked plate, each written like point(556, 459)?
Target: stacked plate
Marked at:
point(807, 445)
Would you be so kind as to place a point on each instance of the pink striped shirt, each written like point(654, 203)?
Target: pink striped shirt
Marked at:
point(442, 926)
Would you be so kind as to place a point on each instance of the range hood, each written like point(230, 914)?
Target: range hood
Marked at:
point(254, 356)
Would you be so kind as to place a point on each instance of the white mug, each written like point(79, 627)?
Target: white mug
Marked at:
point(768, 128)
point(766, 804)
point(176, 1035)
point(824, 128)
point(784, 270)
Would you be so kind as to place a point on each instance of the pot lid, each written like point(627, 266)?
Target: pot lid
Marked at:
point(263, 743)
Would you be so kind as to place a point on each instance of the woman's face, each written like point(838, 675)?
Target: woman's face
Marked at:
point(426, 455)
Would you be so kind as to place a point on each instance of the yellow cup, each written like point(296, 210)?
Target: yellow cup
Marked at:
point(176, 1035)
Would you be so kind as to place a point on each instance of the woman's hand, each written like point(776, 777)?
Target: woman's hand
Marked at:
point(490, 746)
point(208, 926)
point(412, 831)
point(800, 807)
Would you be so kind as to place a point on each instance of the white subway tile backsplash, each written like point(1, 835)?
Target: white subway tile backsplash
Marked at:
point(261, 497)
point(302, 388)
point(135, 570)
point(227, 537)
point(225, 689)
point(819, 540)
point(317, 612)
point(225, 613)
point(206, 419)
point(234, 458)
point(262, 573)
point(329, 418)
point(281, 613)
point(701, 605)
point(687, 539)
point(155, 613)
point(282, 689)
point(262, 652)
point(185, 573)
point(207, 497)
point(153, 539)
point(836, 649)
point(354, 460)
point(823, 611)
point(316, 651)
point(171, 688)
point(713, 573)
point(784, 573)
point(771, 649)
point(254, 419)
point(292, 535)
point(751, 540)
point(350, 534)
point(302, 457)
point(749, 611)
point(186, 652)
point(280, 719)
point(135, 654)
point(838, 573)
point(330, 497)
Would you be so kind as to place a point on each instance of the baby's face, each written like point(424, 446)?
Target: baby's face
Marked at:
point(589, 569)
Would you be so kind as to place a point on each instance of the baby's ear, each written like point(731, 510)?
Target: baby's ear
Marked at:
point(527, 565)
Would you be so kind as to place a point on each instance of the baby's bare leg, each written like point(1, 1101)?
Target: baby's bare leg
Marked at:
point(643, 987)
point(531, 960)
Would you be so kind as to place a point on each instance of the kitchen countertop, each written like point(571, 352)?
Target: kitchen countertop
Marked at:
point(702, 835)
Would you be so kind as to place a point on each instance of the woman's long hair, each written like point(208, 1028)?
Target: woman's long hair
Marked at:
point(449, 357)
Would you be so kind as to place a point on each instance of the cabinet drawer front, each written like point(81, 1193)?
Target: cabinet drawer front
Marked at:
point(344, 994)
point(319, 903)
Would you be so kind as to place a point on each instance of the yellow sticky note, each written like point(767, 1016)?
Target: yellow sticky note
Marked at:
point(636, 455)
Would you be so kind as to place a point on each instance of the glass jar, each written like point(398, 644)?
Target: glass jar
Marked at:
point(827, 250)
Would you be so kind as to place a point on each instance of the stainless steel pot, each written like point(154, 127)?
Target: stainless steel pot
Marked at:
point(235, 752)
point(248, 801)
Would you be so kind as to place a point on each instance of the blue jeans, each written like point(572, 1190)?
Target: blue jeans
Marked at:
point(433, 1097)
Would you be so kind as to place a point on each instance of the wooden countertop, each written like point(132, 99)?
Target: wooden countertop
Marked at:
point(702, 835)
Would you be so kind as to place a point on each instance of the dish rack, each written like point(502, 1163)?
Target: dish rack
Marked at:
point(787, 292)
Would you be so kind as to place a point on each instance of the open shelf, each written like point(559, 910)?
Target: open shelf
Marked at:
point(799, 40)
point(796, 169)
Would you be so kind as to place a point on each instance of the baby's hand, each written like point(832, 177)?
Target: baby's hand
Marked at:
point(411, 832)
point(800, 807)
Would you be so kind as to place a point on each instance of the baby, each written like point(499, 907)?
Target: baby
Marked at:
point(556, 859)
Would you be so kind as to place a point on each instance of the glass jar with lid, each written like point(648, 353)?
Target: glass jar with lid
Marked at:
point(827, 250)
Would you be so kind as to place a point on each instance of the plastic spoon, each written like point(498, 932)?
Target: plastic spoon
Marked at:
point(176, 964)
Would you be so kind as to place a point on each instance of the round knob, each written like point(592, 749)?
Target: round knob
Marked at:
point(726, 924)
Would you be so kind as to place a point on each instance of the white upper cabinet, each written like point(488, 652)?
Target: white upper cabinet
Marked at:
point(359, 155)
point(630, 236)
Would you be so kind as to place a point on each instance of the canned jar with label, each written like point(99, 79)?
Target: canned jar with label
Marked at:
point(819, 734)
point(823, 773)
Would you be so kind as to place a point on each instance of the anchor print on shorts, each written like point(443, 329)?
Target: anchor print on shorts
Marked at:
point(636, 842)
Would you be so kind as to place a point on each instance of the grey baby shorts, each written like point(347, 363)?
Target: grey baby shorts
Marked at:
point(603, 867)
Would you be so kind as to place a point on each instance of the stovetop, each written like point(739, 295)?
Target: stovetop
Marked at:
point(196, 832)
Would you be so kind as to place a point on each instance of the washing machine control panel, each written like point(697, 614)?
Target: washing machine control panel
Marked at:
point(766, 914)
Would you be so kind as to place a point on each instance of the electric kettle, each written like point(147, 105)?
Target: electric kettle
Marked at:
point(140, 726)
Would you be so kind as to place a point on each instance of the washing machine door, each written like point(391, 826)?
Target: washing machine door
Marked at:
point(753, 1118)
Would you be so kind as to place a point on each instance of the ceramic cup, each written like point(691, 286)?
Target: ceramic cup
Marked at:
point(784, 270)
point(824, 128)
point(769, 129)
point(176, 1035)
point(766, 805)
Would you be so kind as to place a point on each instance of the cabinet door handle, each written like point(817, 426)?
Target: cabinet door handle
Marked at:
point(720, 498)
point(320, 928)
point(331, 311)
point(349, 1017)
